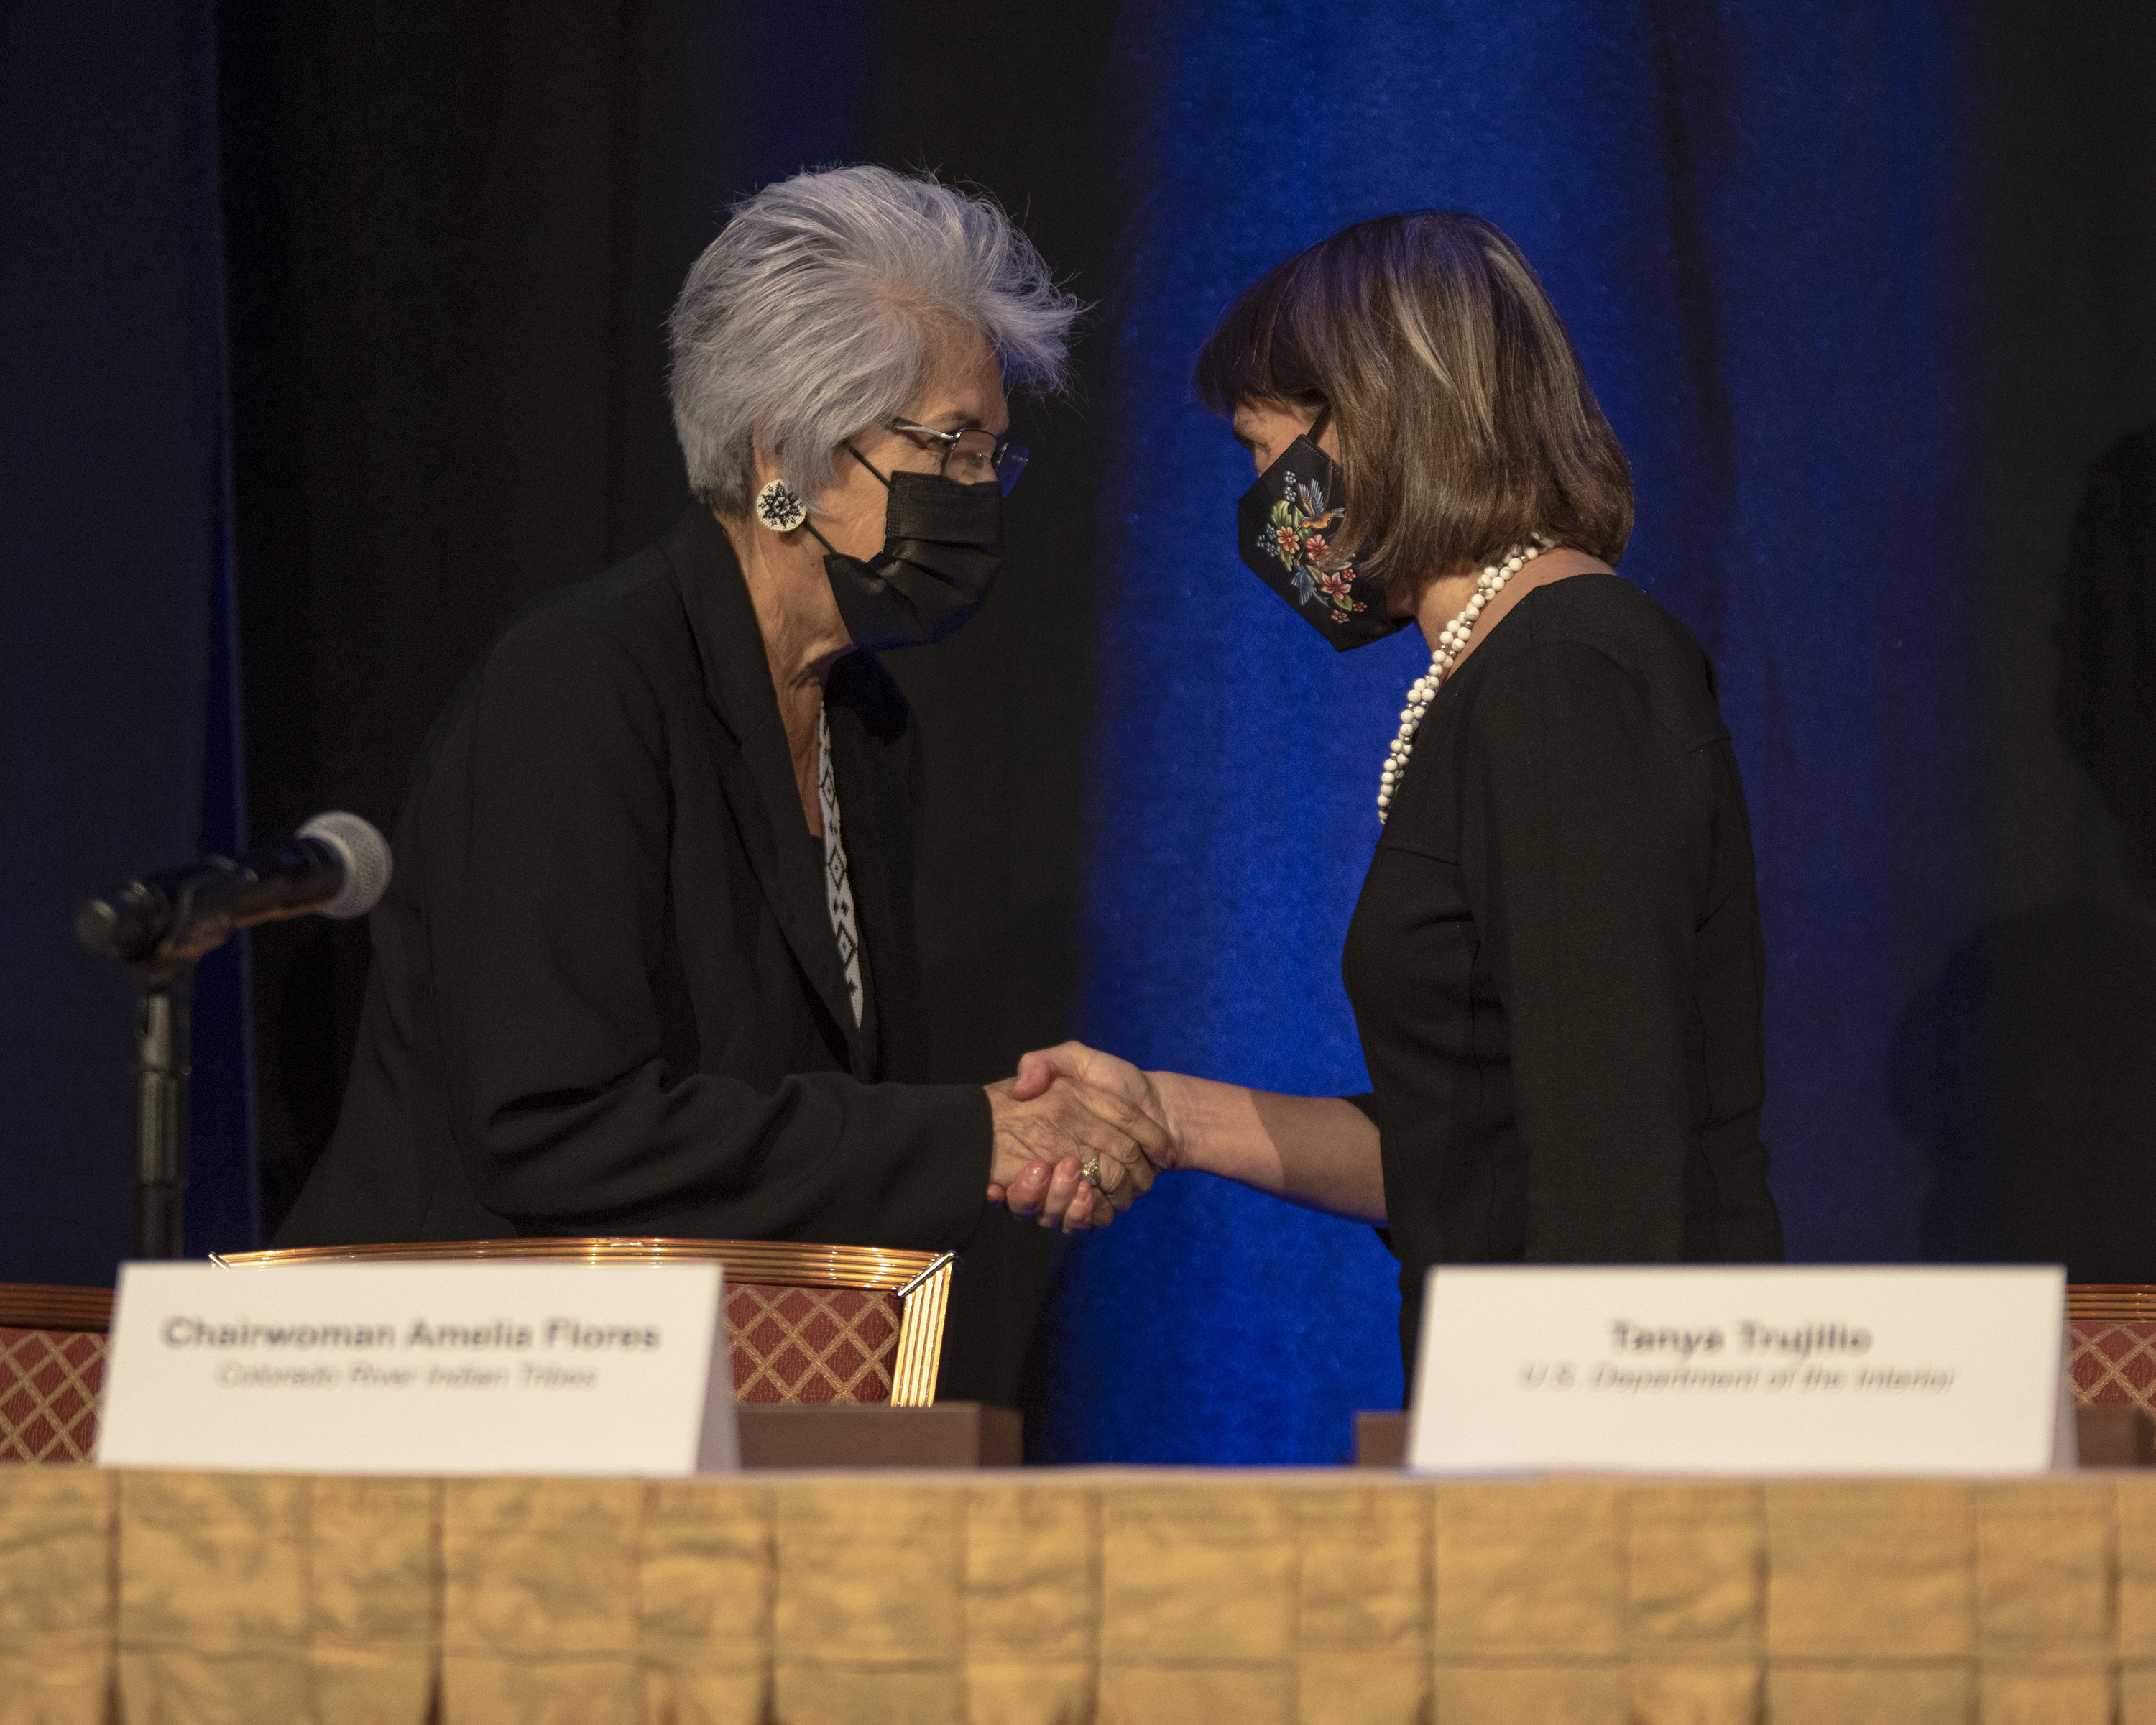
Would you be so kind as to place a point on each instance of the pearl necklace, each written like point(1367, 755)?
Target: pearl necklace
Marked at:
point(1451, 642)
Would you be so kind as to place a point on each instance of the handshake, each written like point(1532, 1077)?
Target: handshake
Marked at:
point(1079, 1135)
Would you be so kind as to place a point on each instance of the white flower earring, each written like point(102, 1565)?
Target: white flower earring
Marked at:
point(779, 507)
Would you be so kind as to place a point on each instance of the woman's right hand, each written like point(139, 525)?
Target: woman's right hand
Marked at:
point(1119, 1078)
point(1045, 1134)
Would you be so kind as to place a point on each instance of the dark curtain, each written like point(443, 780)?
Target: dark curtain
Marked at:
point(1869, 291)
point(117, 739)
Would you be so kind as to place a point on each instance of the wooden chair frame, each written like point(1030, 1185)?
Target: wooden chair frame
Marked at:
point(920, 1279)
point(2111, 1302)
point(39, 1305)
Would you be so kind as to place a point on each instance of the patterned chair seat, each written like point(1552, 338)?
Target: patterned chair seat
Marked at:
point(2111, 1329)
point(52, 1363)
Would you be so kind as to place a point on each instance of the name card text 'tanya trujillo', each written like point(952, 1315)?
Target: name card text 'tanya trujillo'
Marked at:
point(1773, 1369)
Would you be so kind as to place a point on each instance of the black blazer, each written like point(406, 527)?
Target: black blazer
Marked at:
point(605, 997)
point(1555, 962)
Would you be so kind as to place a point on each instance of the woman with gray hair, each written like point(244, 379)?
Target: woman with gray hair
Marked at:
point(648, 965)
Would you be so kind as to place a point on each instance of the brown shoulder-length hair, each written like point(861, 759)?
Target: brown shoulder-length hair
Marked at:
point(1465, 423)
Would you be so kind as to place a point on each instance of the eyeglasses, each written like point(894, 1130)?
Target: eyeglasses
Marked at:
point(972, 456)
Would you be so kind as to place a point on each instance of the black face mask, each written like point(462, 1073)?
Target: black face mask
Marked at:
point(1286, 521)
point(942, 547)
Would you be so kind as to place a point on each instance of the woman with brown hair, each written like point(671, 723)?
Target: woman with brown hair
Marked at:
point(1556, 964)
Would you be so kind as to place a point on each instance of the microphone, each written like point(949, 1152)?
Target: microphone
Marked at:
point(338, 864)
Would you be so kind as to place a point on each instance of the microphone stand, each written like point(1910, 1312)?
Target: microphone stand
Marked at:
point(162, 1064)
point(164, 977)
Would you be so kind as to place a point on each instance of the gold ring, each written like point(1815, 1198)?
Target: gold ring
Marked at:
point(1089, 1171)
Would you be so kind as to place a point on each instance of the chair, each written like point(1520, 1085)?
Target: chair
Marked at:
point(810, 1323)
point(2111, 1333)
point(52, 1363)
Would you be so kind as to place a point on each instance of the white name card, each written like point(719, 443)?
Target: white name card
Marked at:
point(1797, 1369)
point(444, 1369)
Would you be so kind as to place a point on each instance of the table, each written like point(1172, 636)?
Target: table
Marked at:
point(1183, 1595)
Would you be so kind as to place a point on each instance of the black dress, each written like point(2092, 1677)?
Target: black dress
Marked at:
point(606, 996)
point(1555, 962)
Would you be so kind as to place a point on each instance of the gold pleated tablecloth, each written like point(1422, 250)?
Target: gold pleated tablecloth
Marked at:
point(1111, 1595)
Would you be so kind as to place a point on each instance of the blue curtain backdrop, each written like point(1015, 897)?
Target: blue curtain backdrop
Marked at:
point(1791, 253)
point(1868, 289)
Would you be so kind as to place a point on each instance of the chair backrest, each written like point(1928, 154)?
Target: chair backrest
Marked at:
point(52, 1363)
point(2111, 1332)
point(810, 1323)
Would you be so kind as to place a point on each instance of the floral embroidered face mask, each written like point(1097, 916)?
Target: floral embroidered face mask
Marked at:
point(1286, 521)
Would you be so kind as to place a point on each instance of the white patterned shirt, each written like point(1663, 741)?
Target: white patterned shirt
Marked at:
point(838, 888)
